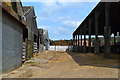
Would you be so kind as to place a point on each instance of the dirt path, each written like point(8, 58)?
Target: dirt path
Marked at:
point(59, 64)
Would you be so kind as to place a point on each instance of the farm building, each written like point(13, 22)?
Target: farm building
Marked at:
point(46, 39)
point(20, 38)
point(30, 33)
point(102, 21)
point(12, 35)
point(43, 39)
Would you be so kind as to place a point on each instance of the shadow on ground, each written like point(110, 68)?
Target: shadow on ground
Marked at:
point(90, 59)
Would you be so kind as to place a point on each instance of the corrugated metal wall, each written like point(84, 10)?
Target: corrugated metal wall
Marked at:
point(12, 37)
point(0, 41)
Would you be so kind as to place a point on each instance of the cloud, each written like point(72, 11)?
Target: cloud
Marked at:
point(44, 27)
point(61, 18)
point(71, 23)
point(56, 33)
point(59, 0)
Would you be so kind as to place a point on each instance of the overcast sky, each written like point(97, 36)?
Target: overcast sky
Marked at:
point(60, 18)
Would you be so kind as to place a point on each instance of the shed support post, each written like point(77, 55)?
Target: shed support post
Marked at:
point(96, 50)
point(84, 48)
point(114, 39)
point(90, 36)
point(81, 42)
point(73, 43)
point(107, 30)
point(78, 44)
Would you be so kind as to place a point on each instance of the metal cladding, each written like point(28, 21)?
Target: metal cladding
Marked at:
point(12, 37)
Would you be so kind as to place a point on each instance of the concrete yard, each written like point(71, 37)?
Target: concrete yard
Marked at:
point(60, 64)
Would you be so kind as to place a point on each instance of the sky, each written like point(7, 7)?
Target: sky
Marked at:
point(60, 18)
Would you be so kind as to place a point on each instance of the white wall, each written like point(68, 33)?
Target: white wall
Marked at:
point(58, 48)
